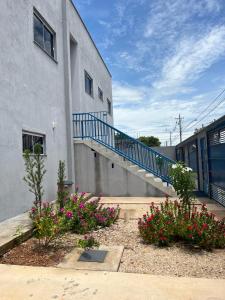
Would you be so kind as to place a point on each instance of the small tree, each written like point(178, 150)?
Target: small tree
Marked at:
point(183, 182)
point(150, 141)
point(35, 171)
point(61, 189)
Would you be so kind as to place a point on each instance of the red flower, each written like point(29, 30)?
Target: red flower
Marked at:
point(150, 218)
point(190, 236)
point(205, 226)
point(190, 227)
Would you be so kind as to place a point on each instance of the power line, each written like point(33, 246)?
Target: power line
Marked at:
point(204, 110)
point(209, 112)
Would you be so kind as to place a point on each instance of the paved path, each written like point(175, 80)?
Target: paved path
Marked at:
point(21, 283)
point(135, 207)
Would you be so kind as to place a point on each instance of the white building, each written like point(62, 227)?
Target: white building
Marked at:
point(50, 68)
point(46, 56)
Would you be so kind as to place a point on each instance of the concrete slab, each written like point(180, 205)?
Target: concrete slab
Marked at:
point(135, 207)
point(111, 262)
point(22, 283)
point(134, 200)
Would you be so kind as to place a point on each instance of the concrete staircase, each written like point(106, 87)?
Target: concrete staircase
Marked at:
point(132, 168)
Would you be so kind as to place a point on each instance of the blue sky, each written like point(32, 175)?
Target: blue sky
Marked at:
point(166, 57)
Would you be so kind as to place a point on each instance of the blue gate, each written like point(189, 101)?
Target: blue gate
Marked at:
point(216, 155)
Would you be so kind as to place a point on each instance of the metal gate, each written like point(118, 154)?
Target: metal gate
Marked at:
point(216, 155)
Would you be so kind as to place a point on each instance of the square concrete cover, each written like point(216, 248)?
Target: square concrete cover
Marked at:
point(111, 262)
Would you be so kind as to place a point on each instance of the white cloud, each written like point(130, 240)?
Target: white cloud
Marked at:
point(126, 94)
point(167, 16)
point(191, 59)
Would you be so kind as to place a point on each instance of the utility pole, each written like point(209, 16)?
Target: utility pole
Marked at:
point(179, 122)
point(170, 138)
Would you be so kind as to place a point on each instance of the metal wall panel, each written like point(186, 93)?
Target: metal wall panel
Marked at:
point(216, 154)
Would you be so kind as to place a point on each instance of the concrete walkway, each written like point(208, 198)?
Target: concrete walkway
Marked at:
point(135, 207)
point(21, 283)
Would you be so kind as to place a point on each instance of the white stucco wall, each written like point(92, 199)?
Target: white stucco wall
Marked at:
point(35, 91)
point(94, 173)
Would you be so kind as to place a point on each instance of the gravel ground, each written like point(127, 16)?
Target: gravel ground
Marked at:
point(172, 261)
point(177, 260)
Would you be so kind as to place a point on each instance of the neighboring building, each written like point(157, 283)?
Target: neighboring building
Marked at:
point(49, 69)
point(204, 152)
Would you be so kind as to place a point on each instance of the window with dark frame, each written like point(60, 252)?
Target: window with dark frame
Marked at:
point(44, 36)
point(109, 107)
point(88, 84)
point(31, 139)
point(100, 94)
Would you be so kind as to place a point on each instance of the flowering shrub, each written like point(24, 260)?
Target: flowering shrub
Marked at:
point(172, 222)
point(82, 215)
point(183, 182)
point(47, 224)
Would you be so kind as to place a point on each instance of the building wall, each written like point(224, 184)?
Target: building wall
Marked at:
point(168, 151)
point(37, 91)
point(94, 173)
point(87, 59)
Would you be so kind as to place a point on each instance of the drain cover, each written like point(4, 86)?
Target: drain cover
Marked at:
point(93, 256)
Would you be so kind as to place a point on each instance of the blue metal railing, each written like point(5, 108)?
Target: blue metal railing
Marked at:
point(88, 126)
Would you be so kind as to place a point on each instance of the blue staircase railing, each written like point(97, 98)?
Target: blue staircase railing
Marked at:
point(88, 126)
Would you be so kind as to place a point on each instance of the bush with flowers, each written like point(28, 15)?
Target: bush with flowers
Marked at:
point(172, 222)
point(82, 215)
point(47, 223)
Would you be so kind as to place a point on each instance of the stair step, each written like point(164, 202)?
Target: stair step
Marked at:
point(148, 175)
point(141, 171)
point(133, 166)
point(157, 179)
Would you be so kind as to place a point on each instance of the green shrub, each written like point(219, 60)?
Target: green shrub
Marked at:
point(172, 222)
point(61, 193)
point(183, 182)
point(35, 171)
point(47, 223)
point(88, 242)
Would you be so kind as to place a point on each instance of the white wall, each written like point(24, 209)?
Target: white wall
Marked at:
point(95, 174)
point(88, 59)
point(35, 91)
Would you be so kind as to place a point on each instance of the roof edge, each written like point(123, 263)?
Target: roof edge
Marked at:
point(90, 37)
point(207, 128)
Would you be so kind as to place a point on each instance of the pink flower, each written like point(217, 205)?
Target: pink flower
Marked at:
point(69, 214)
point(74, 198)
point(81, 206)
point(62, 210)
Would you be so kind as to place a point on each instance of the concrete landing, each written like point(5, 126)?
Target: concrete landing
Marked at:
point(135, 207)
point(22, 283)
point(111, 263)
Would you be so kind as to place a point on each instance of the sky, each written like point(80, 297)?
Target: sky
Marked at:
point(166, 58)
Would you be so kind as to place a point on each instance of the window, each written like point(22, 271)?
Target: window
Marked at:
point(100, 94)
point(109, 107)
point(88, 84)
point(43, 35)
point(31, 139)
